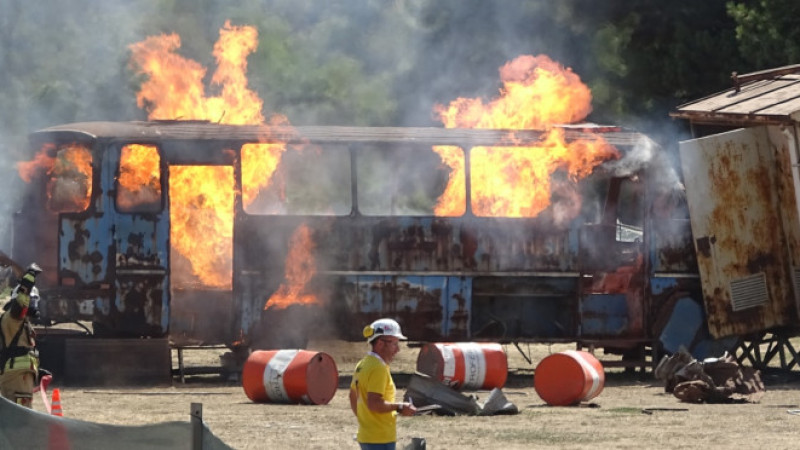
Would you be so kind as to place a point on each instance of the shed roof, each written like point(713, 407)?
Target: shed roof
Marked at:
point(769, 96)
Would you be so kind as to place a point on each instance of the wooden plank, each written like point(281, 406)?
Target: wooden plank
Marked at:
point(751, 98)
point(764, 102)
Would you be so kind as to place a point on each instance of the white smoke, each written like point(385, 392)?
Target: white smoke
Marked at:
point(646, 154)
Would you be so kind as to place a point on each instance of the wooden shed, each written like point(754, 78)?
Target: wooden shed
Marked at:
point(742, 182)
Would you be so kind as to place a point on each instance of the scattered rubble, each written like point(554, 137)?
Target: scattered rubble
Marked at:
point(713, 380)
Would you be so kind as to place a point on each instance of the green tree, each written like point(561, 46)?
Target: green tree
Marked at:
point(768, 31)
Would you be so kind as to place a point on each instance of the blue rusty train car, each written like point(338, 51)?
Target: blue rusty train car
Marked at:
point(259, 237)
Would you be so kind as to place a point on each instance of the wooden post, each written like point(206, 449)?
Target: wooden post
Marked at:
point(196, 412)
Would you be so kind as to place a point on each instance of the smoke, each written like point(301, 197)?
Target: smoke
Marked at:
point(60, 62)
point(647, 154)
point(338, 62)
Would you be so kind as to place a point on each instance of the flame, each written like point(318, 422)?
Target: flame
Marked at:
point(174, 88)
point(452, 202)
point(201, 220)
point(300, 268)
point(139, 176)
point(201, 198)
point(516, 181)
point(41, 162)
point(259, 162)
point(69, 186)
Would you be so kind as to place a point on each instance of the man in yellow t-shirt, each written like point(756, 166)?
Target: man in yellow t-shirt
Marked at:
point(372, 390)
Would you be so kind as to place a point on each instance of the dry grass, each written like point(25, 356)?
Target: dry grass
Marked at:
point(617, 421)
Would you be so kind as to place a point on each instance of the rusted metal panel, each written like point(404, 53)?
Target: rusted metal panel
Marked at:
point(201, 131)
point(673, 247)
point(786, 142)
point(736, 221)
point(422, 303)
point(138, 310)
point(525, 308)
point(84, 248)
point(605, 315)
point(413, 244)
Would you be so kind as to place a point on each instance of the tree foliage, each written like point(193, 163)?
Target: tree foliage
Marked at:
point(374, 62)
point(767, 31)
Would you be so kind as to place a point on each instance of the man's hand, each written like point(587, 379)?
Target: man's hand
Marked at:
point(406, 409)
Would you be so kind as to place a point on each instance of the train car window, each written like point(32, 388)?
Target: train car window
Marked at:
point(282, 179)
point(70, 185)
point(139, 181)
point(407, 180)
point(512, 182)
point(630, 216)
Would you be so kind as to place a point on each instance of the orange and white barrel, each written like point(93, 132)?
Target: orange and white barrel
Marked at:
point(465, 365)
point(568, 378)
point(290, 376)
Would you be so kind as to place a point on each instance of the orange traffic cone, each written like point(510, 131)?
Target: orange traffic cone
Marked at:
point(55, 404)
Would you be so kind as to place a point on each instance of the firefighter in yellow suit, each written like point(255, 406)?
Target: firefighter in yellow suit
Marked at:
point(20, 361)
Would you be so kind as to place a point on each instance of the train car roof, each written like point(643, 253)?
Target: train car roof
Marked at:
point(153, 131)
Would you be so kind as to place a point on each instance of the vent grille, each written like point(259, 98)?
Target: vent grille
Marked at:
point(749, 292)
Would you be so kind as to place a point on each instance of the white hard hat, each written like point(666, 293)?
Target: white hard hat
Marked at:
point(383, 327)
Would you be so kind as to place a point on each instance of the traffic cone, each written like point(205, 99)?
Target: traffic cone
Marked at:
point(55, 403)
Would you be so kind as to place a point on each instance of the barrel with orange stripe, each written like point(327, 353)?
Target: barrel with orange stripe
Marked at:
point(290, 376)
point(568, 378)
point(465, 365)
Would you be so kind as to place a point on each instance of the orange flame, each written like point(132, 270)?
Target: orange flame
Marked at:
point(174, 89)
point(259, 162)
point(201, 198)
point(300, 268)
point(452, 202)
point(69, 187)
point(515, 181)
point(139, 176)
point(41, 162)
point(201, 224)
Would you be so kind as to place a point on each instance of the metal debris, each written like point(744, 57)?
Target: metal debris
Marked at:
point(713, 380)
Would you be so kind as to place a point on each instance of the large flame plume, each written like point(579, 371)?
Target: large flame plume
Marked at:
point(174, 88)
point(201, 197)
point(537, 94)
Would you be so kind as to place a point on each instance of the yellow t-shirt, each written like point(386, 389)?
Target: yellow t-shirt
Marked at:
point(372, 375)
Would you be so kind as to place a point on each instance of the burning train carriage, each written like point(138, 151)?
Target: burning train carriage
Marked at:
point(347, 225)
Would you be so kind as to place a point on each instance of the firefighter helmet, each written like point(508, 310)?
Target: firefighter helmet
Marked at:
point(34, 269)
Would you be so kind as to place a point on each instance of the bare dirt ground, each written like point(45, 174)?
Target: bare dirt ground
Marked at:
point(632, 412)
